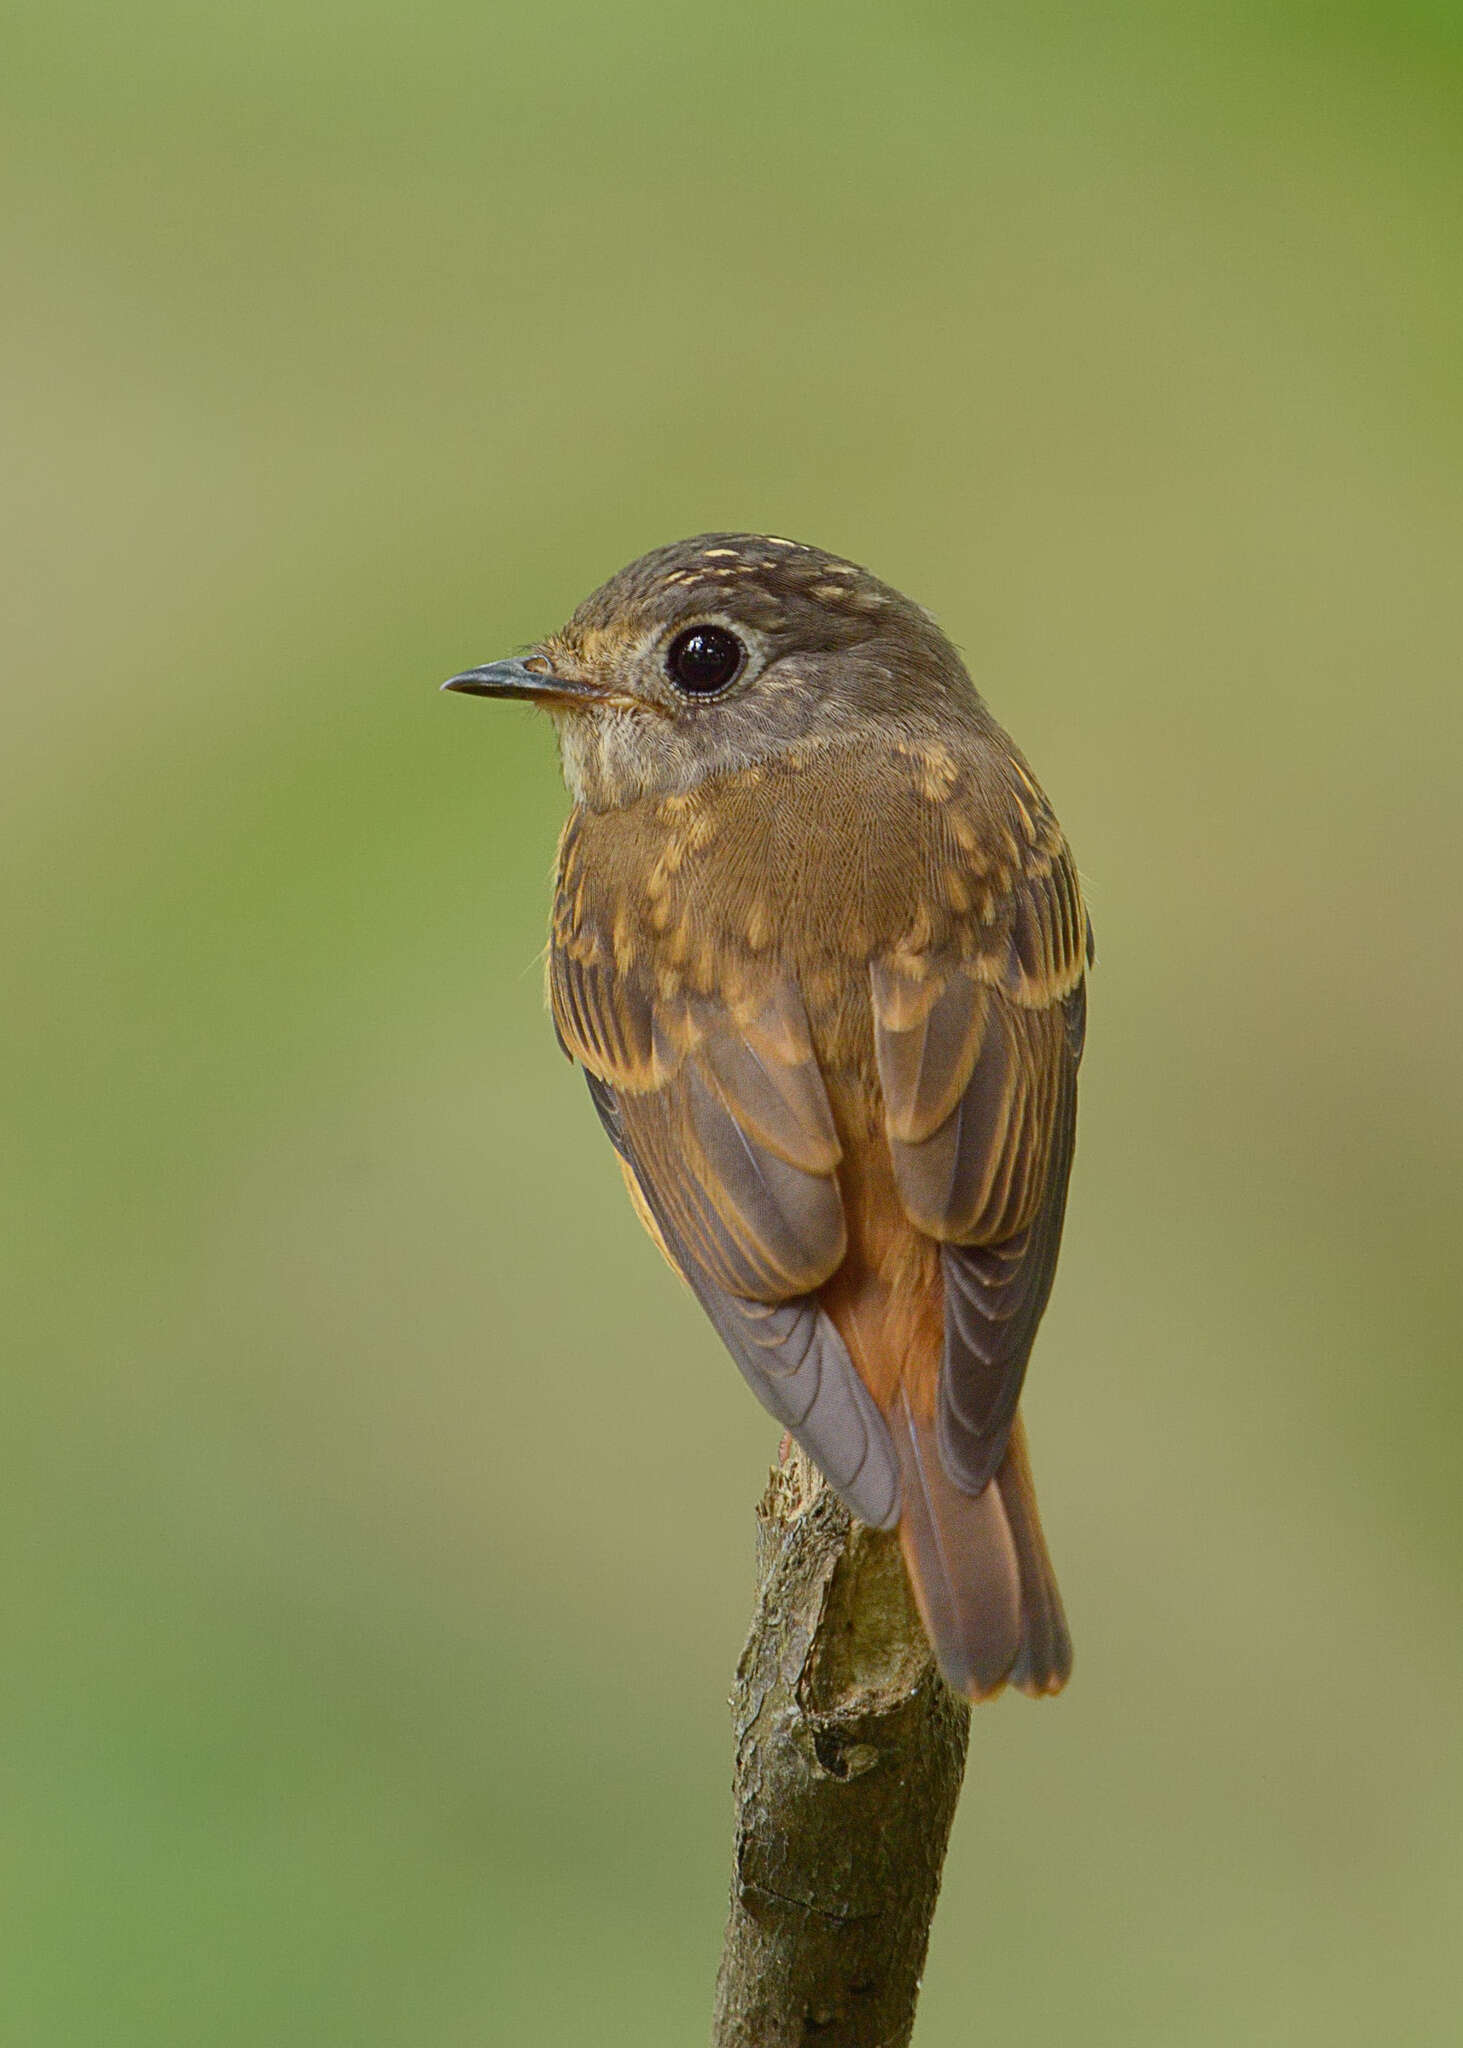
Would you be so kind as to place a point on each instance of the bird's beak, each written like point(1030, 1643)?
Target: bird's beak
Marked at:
point(532, 679)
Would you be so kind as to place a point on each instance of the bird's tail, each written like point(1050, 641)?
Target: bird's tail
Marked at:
point(979, 1567)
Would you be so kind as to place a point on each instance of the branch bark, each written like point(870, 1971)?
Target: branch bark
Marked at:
point(850, 1750)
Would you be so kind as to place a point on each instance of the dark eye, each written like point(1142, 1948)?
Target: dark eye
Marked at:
point(703, 660)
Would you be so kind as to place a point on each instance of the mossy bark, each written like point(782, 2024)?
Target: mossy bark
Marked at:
point(850, 1750)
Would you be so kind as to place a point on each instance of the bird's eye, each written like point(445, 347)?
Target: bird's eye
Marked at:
point(704, 659)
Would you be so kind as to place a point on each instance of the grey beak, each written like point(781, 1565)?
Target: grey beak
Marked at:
point(517, 679)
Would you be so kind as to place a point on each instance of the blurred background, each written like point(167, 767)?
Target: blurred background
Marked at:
point(377, 1512)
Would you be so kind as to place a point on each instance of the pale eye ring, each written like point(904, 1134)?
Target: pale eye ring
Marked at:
point(704, 660)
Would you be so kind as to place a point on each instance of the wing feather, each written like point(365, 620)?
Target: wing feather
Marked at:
point(721, 1116)
point(977, 1050)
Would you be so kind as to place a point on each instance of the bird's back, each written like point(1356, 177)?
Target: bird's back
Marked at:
point(941, 880)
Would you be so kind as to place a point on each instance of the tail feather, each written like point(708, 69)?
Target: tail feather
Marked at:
point(1044, 1662)
point(979, 1567)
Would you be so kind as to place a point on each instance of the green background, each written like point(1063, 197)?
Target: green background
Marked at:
point(376, 1511)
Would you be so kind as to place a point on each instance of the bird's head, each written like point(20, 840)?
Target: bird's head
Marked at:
point(715, 653)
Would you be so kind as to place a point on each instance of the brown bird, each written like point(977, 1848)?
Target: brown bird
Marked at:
point(819, 946)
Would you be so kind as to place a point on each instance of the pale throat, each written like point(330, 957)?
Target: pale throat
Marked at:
point(612, 757)
point(606, 757)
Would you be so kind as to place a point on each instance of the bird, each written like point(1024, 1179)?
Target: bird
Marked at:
point(819, 945)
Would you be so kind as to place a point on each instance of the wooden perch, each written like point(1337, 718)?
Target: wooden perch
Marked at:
point(850, 1750)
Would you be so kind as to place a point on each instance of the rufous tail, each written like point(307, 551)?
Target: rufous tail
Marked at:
point(979, 1567)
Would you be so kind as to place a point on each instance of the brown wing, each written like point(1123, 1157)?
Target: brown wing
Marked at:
point(977, 1046)
point(718, 1108)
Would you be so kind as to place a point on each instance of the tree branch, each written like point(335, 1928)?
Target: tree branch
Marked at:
point(850, 1750)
